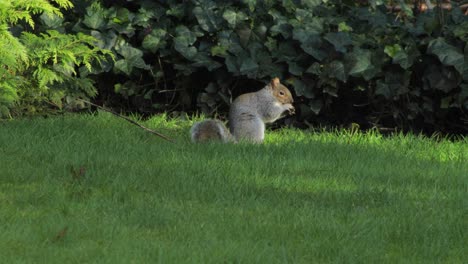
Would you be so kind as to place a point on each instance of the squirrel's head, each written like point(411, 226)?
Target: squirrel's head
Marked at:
point(281, 92)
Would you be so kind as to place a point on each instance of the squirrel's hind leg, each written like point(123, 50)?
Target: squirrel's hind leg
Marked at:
point(251, 129)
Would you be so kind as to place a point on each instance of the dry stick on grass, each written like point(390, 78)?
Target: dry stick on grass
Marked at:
point(129, 120)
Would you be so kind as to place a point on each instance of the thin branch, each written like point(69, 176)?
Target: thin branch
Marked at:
point(129, 120)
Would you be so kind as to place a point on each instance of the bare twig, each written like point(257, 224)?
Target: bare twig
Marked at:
point(129, 120)
point(60, 234)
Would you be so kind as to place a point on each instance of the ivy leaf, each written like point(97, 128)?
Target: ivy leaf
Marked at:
point(465, 68)
point(52, 20)
point(94, 17)
point(315, 69)
point(440, 78)
point(282, 28)
point(219, 50)
point(383, 89)
point(359, 62)
point(311, 44)
point(336, 69)
point(392, 50)
point(234, 18)
point(295, 69)
point(301, 88)
point(206, 17)
point(457, 15)
point(244, 35)
point(203, 60)
point(339, 40)
point(406, 8)
point(343, 27)
point(154, 40)
point(331, 90)
point(248, 66)
point(132, 58)
point(404, 57)
point(447, 54)
point(463, 95)
point(311, 3)
point(104, 40)
point(251, 4)
point(176, 10)
point(184, 41)
point(316, 106)
point(232, 65)
point(461, 31)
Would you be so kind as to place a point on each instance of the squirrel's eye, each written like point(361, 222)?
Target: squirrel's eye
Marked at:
point(281, 93)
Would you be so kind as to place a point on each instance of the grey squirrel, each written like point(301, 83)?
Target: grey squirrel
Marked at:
point(248, 115)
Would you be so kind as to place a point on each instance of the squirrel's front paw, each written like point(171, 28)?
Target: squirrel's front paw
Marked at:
point(291, 110)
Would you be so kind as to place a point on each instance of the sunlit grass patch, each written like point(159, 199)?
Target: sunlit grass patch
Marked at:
point(124, 195)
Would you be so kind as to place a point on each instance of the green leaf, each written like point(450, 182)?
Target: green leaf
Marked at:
point(316, 106)
point(339, 40)
point(457, 15)
point(312, 45)
point(461, 31)
point(132, 58)
point(94, 17)
point(343, 27)
point(404, 57)
point(248, 66)
point(176, 10)
point(311, 3)
point(447, 54)
point(52, 20)
point(331, 90)
point(251, 4)
point(440, 78)
point(244, 35)
point(359, 62)
point(315, 69)
point(445, 102)
point(301, 88)
point(283, 28)
point(206, 17)
point(295, 69)
point(233, 17)
point(336, 69)
point(392, 50)
point(463, 95)
point(232, 64)
point(154, 40)
point(406, 8)
point(383, 89)
point(203, 60)
point(184, 41)
point(219, 50)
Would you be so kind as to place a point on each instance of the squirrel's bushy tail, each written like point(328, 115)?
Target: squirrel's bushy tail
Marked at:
point(210, 130)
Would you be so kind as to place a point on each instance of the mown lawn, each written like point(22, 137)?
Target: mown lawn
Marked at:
point(83, 188)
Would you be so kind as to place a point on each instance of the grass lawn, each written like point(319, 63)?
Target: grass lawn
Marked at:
point(299, 198)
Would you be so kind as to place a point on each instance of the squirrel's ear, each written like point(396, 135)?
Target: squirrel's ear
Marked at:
point(275, 82)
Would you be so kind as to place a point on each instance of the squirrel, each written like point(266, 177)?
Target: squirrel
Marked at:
point(248, 115)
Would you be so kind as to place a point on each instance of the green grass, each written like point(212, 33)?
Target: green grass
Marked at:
point(299, 198)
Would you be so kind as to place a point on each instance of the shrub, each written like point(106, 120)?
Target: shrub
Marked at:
point(347, 61)
point(42, 67)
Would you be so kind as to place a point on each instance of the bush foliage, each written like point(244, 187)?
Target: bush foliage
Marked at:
point(41, 68)
point(346, 61)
